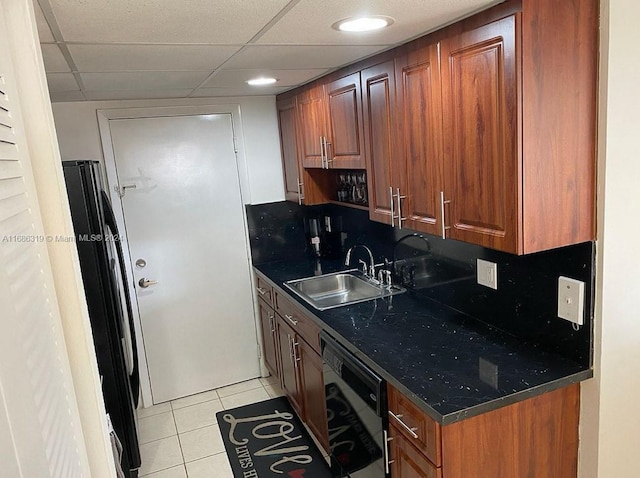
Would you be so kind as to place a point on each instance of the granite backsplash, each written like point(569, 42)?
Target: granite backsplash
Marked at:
point(524, 304)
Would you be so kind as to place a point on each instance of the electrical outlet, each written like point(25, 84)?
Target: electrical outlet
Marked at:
point(488, 274)
point(571, 300)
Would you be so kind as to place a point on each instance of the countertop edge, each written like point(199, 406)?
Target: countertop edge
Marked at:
point(438, 417)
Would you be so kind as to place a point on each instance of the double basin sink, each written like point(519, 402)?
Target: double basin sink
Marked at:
point(340, 289)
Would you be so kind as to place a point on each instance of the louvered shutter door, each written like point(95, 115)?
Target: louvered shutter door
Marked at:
point(40, 426)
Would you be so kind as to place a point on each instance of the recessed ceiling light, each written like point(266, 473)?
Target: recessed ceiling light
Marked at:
point(261, 81)
point(362, 24)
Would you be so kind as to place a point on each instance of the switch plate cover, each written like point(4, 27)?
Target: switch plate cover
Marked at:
point(488, 274)
point(571, 300)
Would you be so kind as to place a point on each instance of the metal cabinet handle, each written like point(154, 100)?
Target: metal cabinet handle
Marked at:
point(271, 324)
point(296, 359)
point(442, 203)
point(291, 319)
point(400, 218)
point(321, 153)
point(144, 283)
point(410, 430)
point(326, 152)
point(387, 462)
point(290, 349)
point(393, 215)
point(300, 195)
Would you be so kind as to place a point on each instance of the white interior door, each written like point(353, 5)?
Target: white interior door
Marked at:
point(184, 222)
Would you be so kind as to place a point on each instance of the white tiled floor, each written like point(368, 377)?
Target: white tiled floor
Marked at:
point(181, 439)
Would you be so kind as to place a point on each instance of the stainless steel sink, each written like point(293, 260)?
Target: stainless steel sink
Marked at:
point(338, 289)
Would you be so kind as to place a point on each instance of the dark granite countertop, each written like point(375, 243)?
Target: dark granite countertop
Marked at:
point(449, 364)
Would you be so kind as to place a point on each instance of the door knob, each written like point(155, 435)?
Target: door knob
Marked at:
point(144, 283)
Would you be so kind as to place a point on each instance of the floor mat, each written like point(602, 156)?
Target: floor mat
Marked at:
point(267, 439)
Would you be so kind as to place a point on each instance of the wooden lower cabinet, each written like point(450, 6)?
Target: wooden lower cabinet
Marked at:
point(407, 461)
point(315, 407)
point(534, 438)
point(269, 339)
point(301, 379)
point(289, 376)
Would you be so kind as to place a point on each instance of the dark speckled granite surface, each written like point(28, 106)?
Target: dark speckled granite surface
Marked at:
point(451, 365)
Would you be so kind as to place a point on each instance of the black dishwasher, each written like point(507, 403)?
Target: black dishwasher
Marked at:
point(357, 413)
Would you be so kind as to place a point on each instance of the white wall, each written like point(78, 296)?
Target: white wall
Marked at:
point(611, 412)
point(77, 127)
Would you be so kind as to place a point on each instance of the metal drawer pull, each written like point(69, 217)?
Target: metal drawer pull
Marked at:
point(291, 319)
point(261, 290)
point(410, 430)
point(442, 203)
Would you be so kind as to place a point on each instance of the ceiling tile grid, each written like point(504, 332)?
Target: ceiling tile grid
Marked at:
point(123, 49)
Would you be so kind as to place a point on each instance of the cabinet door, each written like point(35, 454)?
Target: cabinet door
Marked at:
point(288, 145)
point(420, 104)
point(380, 129)
point(407, 461)
point(289, 365)
point(314, 395)
point(346, 148)
point(311, 122)
point(480, 123)
point(269, 342)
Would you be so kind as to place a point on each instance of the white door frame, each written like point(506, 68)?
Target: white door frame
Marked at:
point(104, 116)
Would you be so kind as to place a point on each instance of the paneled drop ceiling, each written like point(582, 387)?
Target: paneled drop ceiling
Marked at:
point(135, 49)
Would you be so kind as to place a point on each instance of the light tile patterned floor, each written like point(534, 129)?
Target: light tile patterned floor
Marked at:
point(181, 439)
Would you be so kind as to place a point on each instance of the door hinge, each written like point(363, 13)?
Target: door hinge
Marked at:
point(235, 145)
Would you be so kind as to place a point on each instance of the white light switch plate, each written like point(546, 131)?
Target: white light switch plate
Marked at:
point(571, 300)
point(487, 273)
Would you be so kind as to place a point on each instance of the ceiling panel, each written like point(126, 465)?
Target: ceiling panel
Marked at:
point(235, 78)
point(164, 21)
point(139, 80)
point(62, 82)
point(299, 57)
point(97, 58)
point(137, 94)
point(239, 91)
point(67, 96)
point(44, 32)
point(309, 22)
point(54, 61)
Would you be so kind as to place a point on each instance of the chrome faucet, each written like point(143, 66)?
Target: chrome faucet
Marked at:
point(372, 268)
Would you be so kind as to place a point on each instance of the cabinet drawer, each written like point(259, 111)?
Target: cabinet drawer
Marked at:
point(264, 290)
point(413, 423)
point(301, 323)
point(406, 460)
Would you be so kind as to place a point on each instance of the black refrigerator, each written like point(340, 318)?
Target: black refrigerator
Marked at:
point(102, 263)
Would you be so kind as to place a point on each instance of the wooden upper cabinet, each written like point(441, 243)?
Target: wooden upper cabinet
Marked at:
point(288, 144)
point(345, 148)
point(420, 123)
point(479, 89)
point(559, 103)
point(380, 130)
point(311, 122)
